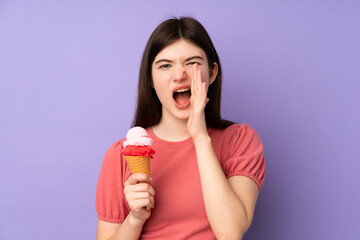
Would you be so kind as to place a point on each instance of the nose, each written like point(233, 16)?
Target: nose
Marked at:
point(180, 74)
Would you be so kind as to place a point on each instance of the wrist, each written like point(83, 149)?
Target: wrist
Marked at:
point(134, 221)
point(202, 138)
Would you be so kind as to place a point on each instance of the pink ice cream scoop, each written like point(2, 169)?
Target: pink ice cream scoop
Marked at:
point(137, 136)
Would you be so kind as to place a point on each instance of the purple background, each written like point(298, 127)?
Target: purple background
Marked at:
point(68, 73)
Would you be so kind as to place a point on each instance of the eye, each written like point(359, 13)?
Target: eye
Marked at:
point(164, 66)
point(192, 63)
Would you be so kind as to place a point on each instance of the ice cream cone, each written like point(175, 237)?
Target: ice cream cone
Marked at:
point(138, 164)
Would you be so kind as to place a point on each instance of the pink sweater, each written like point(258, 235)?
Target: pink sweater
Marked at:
point(179, 211)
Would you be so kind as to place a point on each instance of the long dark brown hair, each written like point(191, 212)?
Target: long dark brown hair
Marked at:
point(149, 109)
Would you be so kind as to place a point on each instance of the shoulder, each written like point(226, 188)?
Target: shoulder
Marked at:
point(240, 152)
point(235, 139)
point(114, 151)
point(233, 132)
point(113, 165)
point(116, 146)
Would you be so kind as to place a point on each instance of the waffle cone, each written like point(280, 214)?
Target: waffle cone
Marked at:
point(138, 164)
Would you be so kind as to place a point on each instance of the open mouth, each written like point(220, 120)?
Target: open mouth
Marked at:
point(182, 97)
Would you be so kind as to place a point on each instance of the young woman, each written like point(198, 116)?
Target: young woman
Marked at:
point(206, 173)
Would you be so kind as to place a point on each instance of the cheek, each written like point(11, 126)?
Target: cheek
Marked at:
point(189, 71)
point(156, 78)
point(160, 86)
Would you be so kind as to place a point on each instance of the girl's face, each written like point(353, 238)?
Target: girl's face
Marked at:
point(172, 71)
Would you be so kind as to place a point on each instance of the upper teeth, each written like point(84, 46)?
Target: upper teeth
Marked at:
point(182, 90)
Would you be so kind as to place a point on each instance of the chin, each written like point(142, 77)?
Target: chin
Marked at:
point(183, 115)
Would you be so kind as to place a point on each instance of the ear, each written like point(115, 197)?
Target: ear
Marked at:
point(213, 73)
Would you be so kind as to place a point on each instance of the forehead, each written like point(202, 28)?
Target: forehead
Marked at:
point(180, 49)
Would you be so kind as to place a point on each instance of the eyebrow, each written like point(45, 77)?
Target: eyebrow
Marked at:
point(186, 60)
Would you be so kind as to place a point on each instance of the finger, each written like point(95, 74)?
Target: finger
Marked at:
point(136, 204)
point(193, 81)
point(198, 80)
point(134, 198)
point(141, 187)
point(137, 191)
point(151, 190)
point(204, 90)
point(143, 203)
point(139, 195)
point(140, 204)
point(138, 177)
point(149, 207)
point(151, 203)
point(148, 204)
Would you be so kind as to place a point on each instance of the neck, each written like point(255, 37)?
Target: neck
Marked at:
point(171, 129)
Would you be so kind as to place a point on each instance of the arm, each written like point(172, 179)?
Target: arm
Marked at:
point(129, 229)
point(229, 203)
point(140, 197)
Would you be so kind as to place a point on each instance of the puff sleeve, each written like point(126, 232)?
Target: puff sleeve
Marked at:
point(110, 202)
point(244, 154)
